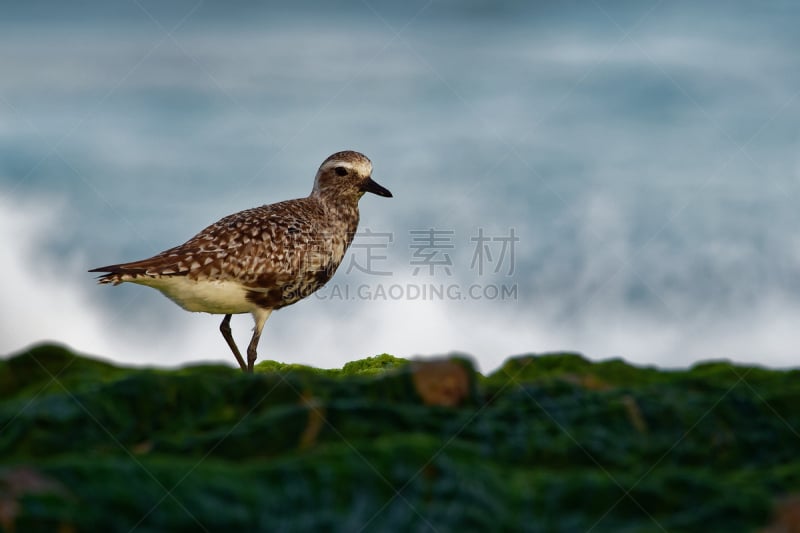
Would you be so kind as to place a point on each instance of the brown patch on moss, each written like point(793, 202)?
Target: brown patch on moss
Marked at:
point(316, 419)
point(444, 383)
point(587, 382)
point(14, 485)
point(787, 516)
point(634, 413)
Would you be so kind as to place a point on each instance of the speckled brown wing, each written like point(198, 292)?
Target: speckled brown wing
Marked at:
point(241, 247)
point(280, 252)
point(288, 251)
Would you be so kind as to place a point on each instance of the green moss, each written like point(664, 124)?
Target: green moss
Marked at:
point(283, 368)
point(49, 368)
point(372, 366)
point(546, 443)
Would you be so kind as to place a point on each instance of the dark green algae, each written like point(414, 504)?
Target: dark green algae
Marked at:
point(546, 443)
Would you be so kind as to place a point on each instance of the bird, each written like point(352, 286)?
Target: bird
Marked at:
point(261, 259)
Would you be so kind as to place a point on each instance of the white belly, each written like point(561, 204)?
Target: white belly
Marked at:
point(207, 296)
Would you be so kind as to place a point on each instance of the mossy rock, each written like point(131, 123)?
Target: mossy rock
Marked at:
point(546, 443)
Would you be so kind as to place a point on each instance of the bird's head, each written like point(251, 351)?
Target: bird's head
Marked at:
point(346, 175)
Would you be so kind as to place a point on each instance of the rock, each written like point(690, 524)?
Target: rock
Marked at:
point(545, 443)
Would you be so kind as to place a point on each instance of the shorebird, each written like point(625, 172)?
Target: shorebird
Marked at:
point(261, 259)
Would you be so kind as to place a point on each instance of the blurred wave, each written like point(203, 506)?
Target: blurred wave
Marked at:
point(645, 154)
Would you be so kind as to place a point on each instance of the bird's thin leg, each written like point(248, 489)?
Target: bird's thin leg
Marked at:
point(260, 315)
point(225, 329)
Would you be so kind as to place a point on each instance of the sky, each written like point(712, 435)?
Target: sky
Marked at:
point(619, 179)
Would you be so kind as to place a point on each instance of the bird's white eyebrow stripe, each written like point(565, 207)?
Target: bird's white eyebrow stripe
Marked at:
point(360, 167)
point(335, 163)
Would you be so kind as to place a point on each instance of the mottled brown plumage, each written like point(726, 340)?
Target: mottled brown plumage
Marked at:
point(264, 258)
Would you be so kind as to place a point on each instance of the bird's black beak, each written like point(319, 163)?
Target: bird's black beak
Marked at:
point(372, 186)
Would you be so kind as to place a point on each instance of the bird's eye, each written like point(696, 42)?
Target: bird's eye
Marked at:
point(340, 171)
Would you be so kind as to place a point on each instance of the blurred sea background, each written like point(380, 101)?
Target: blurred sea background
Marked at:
point(627, 174)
